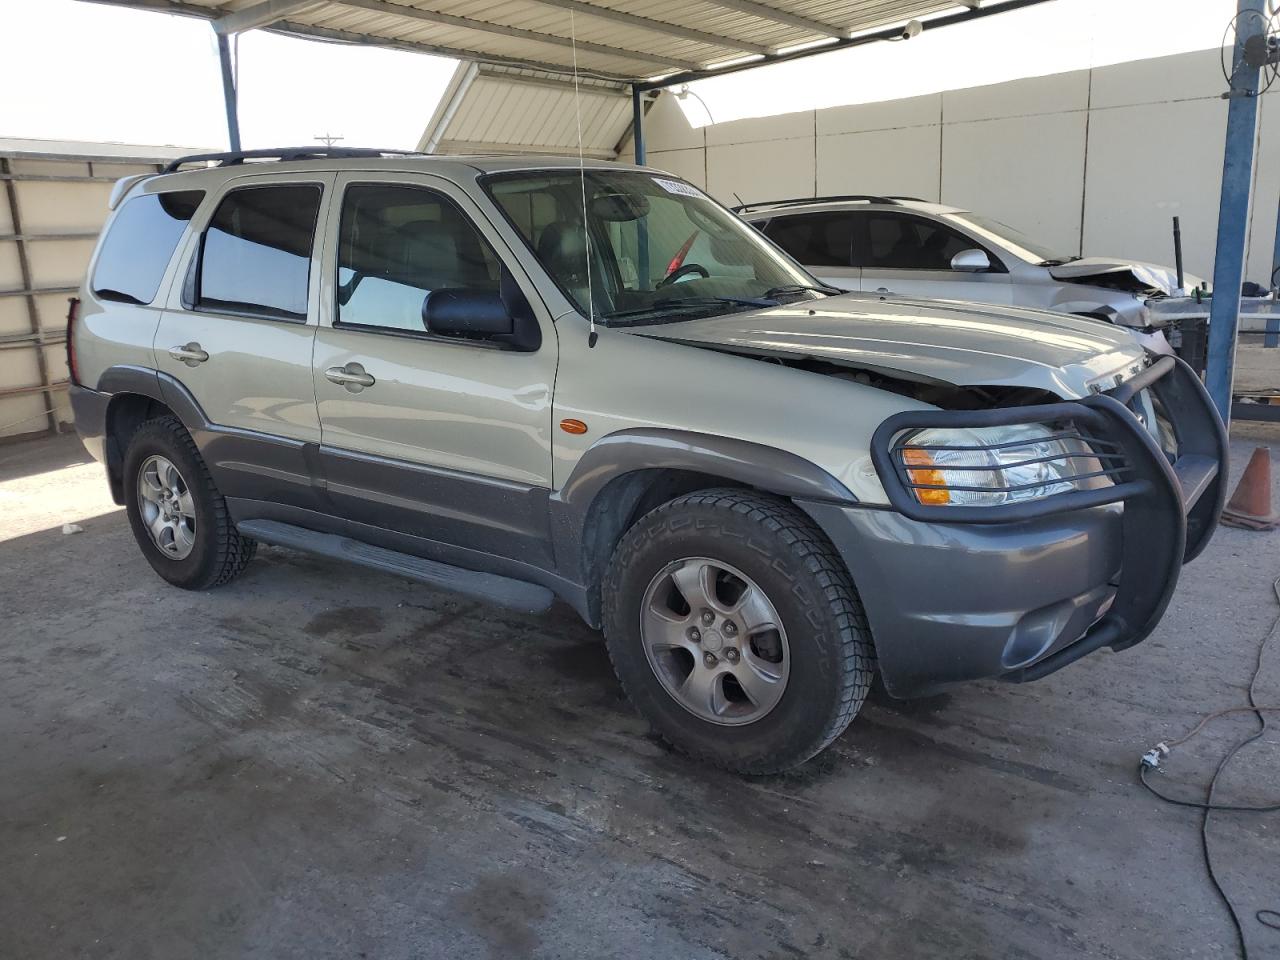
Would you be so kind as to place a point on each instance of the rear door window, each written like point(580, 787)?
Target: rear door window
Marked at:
point(140, 244)
point(814, 239)
point(256, 254)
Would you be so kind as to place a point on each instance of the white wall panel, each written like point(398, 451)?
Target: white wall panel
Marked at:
point(59, 263)
point(761, 129)
point(53, 207)
point(1059, 93)
point(1188, 76)
point(52, 310)
point(689, 164)
point(1027, 171)
point(14, 318)
point(885, 115)
point(1144, 169)
point(665, 124)
point(10, 267)
point(760, 171)
point(902, 162)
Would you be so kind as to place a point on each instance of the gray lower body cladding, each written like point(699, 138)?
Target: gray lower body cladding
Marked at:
point(955, 602)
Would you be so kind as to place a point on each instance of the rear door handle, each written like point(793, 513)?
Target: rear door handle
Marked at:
point(352, 376)
point(190, 354)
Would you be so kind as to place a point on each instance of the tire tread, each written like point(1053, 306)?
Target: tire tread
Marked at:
point(234, 552)
point(813, 551)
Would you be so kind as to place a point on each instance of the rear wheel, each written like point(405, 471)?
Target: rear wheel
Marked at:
point(178, 517)
point(734, 628)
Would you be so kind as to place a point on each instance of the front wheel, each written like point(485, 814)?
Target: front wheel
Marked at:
point(734, 628)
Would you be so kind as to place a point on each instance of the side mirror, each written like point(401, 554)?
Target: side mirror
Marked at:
point(467, 314)
point(971, 261)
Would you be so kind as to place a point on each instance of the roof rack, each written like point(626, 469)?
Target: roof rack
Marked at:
point(285, 153)
point(801, 201)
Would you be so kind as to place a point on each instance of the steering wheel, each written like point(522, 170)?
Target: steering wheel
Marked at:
point(679, 272)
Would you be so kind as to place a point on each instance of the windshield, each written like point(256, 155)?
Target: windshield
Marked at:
point(1017, 242)
point(653, 248)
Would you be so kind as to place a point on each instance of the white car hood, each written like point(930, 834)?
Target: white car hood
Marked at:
point(1145, 276)
point(959, 343)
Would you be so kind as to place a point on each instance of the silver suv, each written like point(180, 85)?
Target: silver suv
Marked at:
point(526, 381)
point(906, 246)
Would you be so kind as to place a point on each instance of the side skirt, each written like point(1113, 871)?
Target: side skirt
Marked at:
point(321, 533)
point(489, 587)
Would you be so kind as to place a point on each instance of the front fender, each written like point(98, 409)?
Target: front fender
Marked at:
point(613, 473)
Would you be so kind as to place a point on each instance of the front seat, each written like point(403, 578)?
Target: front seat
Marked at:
point(562, 247)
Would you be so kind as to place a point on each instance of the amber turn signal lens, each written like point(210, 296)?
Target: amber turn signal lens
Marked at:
point(573, 426)
point(915, 457)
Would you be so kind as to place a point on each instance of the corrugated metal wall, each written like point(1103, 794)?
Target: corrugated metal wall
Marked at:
point(499, 110)
point(51, 209)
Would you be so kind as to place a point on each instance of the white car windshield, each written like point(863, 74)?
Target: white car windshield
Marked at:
point(1015, 241)
point(649, 249)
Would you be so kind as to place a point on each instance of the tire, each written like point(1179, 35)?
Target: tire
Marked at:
point(215, 552)
point(823, 648)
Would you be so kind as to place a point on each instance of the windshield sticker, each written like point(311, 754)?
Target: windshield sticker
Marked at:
point(675, 186)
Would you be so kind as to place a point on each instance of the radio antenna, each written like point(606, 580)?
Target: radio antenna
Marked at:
point(592, 336)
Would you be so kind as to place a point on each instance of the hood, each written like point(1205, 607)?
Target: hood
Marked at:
point(938, 341)
point(1129, 275)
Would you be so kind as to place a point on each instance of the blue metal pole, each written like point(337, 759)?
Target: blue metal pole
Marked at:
point(1275, 257)
point(642, 225)
point(1233, 212)
point(637, 123)
point(229, 93)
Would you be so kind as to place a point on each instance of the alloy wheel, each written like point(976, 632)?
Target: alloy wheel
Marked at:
point(167, 507)
point(715, 641)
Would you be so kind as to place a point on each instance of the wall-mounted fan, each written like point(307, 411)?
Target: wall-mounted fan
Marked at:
point(1261, 34)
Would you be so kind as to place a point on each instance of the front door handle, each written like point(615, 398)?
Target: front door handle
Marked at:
point(352, 376)
point(190, 354)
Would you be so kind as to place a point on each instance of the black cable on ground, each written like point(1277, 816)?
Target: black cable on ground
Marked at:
point(1151, 761)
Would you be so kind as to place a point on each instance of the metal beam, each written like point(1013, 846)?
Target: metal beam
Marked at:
point(656, 26)
point(261, 14)
point(1233, 211)
point(290, 29)
point(889, 33)
point(482, 26)
point(765, 12)
point(229, 92)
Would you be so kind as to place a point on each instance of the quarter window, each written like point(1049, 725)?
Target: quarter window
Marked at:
point(899, 242)
point(256, 255)
point(396, 245)
point(140, 244)
point(814, 239)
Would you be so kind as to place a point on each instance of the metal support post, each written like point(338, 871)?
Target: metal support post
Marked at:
point(637, 123)
point(1233, 211)
point(229, 92)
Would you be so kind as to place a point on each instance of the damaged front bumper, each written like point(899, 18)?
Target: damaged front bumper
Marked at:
point(1017, 591)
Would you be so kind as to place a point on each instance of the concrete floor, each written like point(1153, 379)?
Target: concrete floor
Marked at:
point(320, 762)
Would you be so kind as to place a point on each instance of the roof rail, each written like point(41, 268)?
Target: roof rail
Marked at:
point(800, 201)
point(285, 153)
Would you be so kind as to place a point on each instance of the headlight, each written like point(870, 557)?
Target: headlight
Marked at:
point(990, 466)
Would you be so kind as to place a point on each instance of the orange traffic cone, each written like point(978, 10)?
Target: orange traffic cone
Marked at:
point(1250, 506)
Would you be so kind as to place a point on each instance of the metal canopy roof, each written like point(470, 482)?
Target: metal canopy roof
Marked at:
point(625, 41)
